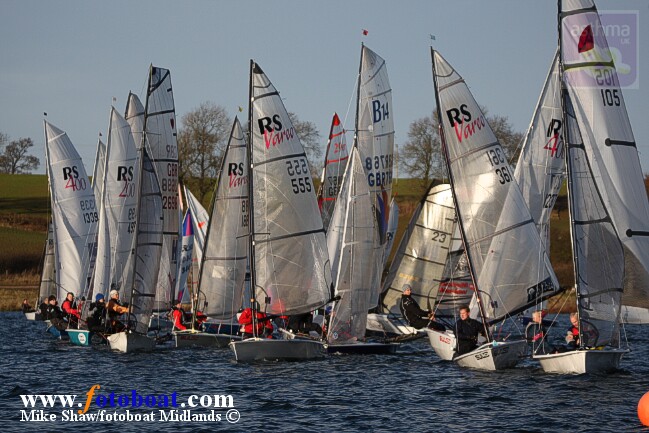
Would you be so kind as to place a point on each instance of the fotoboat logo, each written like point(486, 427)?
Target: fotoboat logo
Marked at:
point(132, 406)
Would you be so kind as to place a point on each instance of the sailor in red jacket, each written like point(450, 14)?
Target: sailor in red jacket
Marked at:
point(177, 316)
point(69, 310)
point(264, 326)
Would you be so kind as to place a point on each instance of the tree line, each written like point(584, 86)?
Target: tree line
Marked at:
point(204, 132)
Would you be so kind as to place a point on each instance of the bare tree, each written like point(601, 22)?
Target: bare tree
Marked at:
point(310, 138)
point(421, 154)
point(14, 157)
point(202, 139)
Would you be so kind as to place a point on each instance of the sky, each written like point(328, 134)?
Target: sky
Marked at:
point(70, 58)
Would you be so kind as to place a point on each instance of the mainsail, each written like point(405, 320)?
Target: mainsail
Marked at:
point(374, 138)
point(290, 268)
point(505, 252)
point(186, 257)
point(350, 244)
point(144, 260)
point(160, 140)
point(391, 232)
point(223, 265)
point(332, 173)
point(593, 87)
point(541, 167)
point(118, 207)
point(74, 213)
point(48, 285)
point(423, 251)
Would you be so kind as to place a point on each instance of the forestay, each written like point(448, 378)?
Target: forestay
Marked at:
point(350, 244)
point(223, 266)
point(160, 139)
point(423, 251)
point(504, 248)
point(592, 83)
point(74, 213)
point(541, 167)
point(332, 173)
point(291, 268)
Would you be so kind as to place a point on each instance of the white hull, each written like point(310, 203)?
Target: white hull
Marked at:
point(382, 324)
point(581, 361)
point(443, 343)
point(128, 342)
point(31, 315)
point(260, 349)
point(494, 356)
point(202, 339)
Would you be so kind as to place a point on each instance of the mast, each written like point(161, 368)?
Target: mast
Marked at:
point(251, 228)
point(358, 96)
point(458, 214)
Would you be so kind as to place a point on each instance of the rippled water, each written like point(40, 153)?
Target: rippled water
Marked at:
point(410, 391)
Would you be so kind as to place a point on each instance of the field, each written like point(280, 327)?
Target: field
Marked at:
point(25, 212)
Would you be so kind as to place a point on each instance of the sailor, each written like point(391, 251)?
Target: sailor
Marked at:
point(416, 317)
point(54, 314)
point(71, 312)
point(264, 327)
point(466, 331)
point(177, 315)
point(96, 321)
point(536, 334)
point(115, 309)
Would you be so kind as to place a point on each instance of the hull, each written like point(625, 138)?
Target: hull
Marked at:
point(382, 325)
point(80, 337)
point(220, 328)
point(364, 348)
point(443, 343)
point(258, 349)
point(582, 361)
point(494, 356)
point(127, 342)
point(32, 315)
point(203, 339)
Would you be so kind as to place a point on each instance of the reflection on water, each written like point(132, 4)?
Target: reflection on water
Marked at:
point(412, 390)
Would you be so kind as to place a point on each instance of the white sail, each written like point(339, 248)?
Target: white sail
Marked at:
point(290, 271)
point(332, 173)
point(223, 268)
point(597, 250)
point(375, 140)
point(47, 285)
point(134, 115)
point(160, 139)
point(541, 167)
point(144, 260)
point(200, 220)
point(74, 213)
point(98, 170)
point(186, 258)
point(505, 251)
point(592, 83)
point(350, 244)
point(423, 251)
point(456, 287)
point(393, 224)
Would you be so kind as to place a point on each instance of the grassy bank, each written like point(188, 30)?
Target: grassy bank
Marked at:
point(11, 298)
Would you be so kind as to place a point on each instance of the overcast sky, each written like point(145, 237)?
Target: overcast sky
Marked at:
point(70, 58)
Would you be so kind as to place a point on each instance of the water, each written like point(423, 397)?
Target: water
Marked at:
point(411, 391)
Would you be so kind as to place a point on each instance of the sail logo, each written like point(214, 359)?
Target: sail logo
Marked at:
point(125, 174)
point(273, 131)
point(379, 111)
point(555, 142)
point(235, 175)
point(74, 181)
point(463, 123)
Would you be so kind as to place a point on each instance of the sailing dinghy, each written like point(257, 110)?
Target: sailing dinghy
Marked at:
point(289, 265)
point(609, 210)
point(225, 253)
point(500, 238)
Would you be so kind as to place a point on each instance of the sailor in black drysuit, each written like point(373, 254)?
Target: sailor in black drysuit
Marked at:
point(466, 331)
point(416, 317)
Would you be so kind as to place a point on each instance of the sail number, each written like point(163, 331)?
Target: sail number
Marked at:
point(90, 217)
point(382, 164)
point(496, 159)
point(333, 185)
point(610, 97)
point(131, 220)
point(245, 216)
point(169, 202)
point(439, 237)
point(298, 171)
